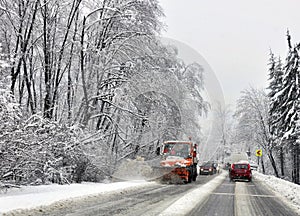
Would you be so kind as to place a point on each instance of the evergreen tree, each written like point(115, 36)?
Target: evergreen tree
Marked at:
point(275, 87)
point(288, 106)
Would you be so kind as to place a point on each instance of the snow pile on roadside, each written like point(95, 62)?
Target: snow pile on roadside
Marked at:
point(132, 169)
point(33, 196)
point(282, 187)
point(139, 169)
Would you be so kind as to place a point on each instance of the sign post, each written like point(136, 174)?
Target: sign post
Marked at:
point(258, 154)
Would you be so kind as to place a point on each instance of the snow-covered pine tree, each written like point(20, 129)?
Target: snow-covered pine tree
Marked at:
point(288, 108)
point(275, 87)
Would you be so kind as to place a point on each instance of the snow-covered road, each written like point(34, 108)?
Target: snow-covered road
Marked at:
point(147, 198)
point(123, 198)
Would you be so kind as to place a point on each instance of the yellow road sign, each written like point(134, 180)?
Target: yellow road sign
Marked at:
point(258, 152)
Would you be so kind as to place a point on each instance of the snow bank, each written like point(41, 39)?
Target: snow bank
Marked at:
point(138, 169)
point(132, 169)
point(34, 196)
point(288, 190)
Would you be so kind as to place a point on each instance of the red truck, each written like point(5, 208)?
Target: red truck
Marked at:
point(179, 158)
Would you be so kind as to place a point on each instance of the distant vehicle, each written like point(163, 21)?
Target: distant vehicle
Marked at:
point(207, 168)
point(253, 166)
point(217, 167)
point(234, 157)
point(227, 166)
point(240, 170)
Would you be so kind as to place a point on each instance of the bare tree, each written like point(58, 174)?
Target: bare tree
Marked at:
point(253, 122)
point(223, 127)
point(19, 21)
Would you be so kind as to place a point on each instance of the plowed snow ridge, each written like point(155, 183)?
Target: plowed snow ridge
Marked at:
point(190, 200)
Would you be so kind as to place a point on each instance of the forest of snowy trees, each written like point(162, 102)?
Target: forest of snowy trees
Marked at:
point(85, 84)
point(271, 119)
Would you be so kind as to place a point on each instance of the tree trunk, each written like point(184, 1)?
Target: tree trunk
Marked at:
point(22, 43)
point(270, 155)
point(70, 92)
point(59, 72)
point(296, 163)
point(83, 78)
point(262, 165)
point(294, 166)
point(47, 68)
point(28, 86)
point(281, 161)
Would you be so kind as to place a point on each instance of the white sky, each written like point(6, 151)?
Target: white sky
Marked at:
point(234, 36)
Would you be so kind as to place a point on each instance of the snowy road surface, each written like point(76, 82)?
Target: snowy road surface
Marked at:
point(243, 198)
point(209, 195)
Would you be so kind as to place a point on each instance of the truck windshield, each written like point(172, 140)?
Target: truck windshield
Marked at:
point(177, 149)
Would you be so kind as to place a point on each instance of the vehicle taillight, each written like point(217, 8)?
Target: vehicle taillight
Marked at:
point(248, 166)
point(232, 166)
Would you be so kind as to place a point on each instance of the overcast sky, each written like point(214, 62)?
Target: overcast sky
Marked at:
point(234, 36)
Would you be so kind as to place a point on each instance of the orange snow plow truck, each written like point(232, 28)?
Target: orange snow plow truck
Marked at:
point(179, 160)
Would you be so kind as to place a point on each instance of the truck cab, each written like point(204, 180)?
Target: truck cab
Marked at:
point(180, 157)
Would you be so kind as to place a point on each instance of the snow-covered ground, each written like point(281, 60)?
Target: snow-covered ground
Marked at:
point(34, 196)
point(289, 191)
